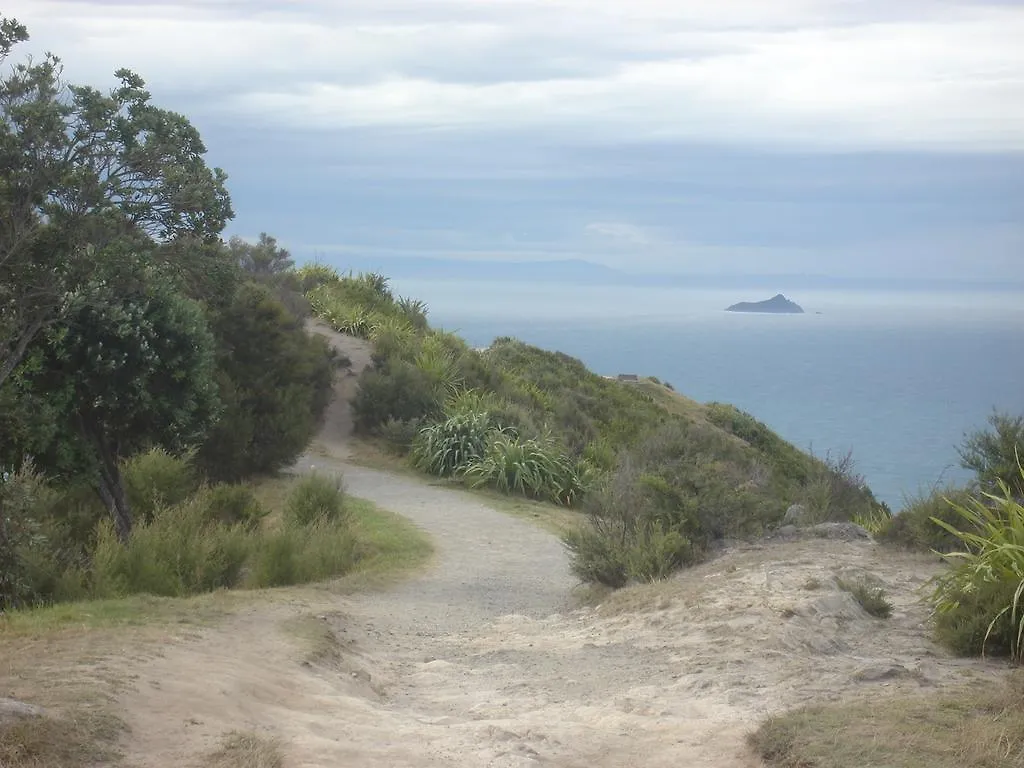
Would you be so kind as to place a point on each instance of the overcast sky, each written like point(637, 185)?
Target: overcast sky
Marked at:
point(845, 137)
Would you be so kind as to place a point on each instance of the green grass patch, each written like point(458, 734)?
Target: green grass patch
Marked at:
point(977, 727)
point(870, 597)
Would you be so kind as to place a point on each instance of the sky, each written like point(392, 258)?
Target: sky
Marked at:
point(853, 138)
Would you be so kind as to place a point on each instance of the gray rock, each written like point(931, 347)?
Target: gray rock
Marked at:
point(842, 531)
point(874, 673)
point(12, 710)
point(796, 515)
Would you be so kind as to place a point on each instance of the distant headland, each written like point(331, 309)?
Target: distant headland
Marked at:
point(778, 304)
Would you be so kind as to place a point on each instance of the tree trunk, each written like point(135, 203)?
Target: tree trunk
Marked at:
point(110, 486)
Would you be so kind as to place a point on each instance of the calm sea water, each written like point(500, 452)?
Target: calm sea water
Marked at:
point(895, 377)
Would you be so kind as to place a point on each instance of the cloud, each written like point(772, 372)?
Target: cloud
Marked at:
point(793, 73)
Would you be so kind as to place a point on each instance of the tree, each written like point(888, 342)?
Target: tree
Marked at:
point(275, 383)
point(264, 258)
point(996, 454)
point(82, 170)
point(131, 367)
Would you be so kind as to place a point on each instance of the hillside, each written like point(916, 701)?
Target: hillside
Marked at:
point(660, 476)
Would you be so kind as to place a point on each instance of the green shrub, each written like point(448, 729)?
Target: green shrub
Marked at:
point(315, 498)
point(987, 580)
point(22, 495)
point(400, 434)
point(835, 492)
point(995, 455)
point(299, 554)
point(876, 521)
point(275, 383)
point(871, 598)
point(179, 552)
point(401, 392)
point(449, 446)
point(533, 468)
point(233, 504)
point(156, 479)
point(914, 527)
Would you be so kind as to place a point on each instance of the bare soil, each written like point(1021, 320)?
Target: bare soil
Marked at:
point(483, 660)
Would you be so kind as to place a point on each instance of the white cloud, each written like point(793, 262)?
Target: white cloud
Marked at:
point(809, 73)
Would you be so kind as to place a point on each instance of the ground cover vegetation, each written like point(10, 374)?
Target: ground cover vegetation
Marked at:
point(657, 477)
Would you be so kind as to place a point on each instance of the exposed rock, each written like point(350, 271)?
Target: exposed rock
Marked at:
point(842, 531)
point(12, 710)
point(796, 515)
point(873, 673)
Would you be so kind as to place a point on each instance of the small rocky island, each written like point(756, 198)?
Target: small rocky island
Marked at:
point(777, 305)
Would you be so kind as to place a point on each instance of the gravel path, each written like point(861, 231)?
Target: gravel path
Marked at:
point(488, 564)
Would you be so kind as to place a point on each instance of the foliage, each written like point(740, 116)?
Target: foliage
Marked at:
point(130, 369)
point(401, 391)
point(262, 258)
point(996, 454)
point(316, 498)
point(300, 553)
point(156, 479)
point(876, 521)
point(987, 580)
point(233, 504)
point(21, 493)
point(275, 382)
point(179, 552)
point(870, 597)
point(914, 527)
point(448, 447)
point(527, 467)
point(399, 435)
point(834, 491)
point(83, 170)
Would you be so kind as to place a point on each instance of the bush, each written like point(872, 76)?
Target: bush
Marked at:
point(987, 581)
point(835, 492)
point(871, 598)
point(445, 448)
point(233, 504)
point(915, 527)
point(275, 383)
point(298, 554)
point(995, 455)
point(22, 494)
point(400, 392)
point(400, 434)
point(533, 468)
point(315, 498)
point(179, 552)
point(156, 479)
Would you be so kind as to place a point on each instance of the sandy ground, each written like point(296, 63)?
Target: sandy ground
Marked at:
point(481, 661)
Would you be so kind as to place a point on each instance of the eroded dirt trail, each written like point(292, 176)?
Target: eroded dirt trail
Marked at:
point(479, 661)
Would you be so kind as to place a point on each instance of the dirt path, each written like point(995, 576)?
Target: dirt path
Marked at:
point(480, 661)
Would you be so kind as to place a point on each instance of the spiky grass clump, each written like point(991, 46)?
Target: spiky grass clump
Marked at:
point(526, 467)
point(449, 446)
point(992, 566)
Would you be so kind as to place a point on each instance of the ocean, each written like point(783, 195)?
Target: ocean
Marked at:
point(896, 378)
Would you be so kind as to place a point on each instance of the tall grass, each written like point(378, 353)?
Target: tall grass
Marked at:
point(527, 467)
point(992, 565)
point(449, 446)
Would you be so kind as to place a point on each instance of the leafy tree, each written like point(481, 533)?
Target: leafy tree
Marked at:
point(130, 368)
point(261, 258)
point(275, 382)
point(82, 170)
point(995, 454)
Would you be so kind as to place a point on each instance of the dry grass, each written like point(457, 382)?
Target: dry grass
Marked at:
point(76, 739)
point(246, 750)
point(969, 728)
